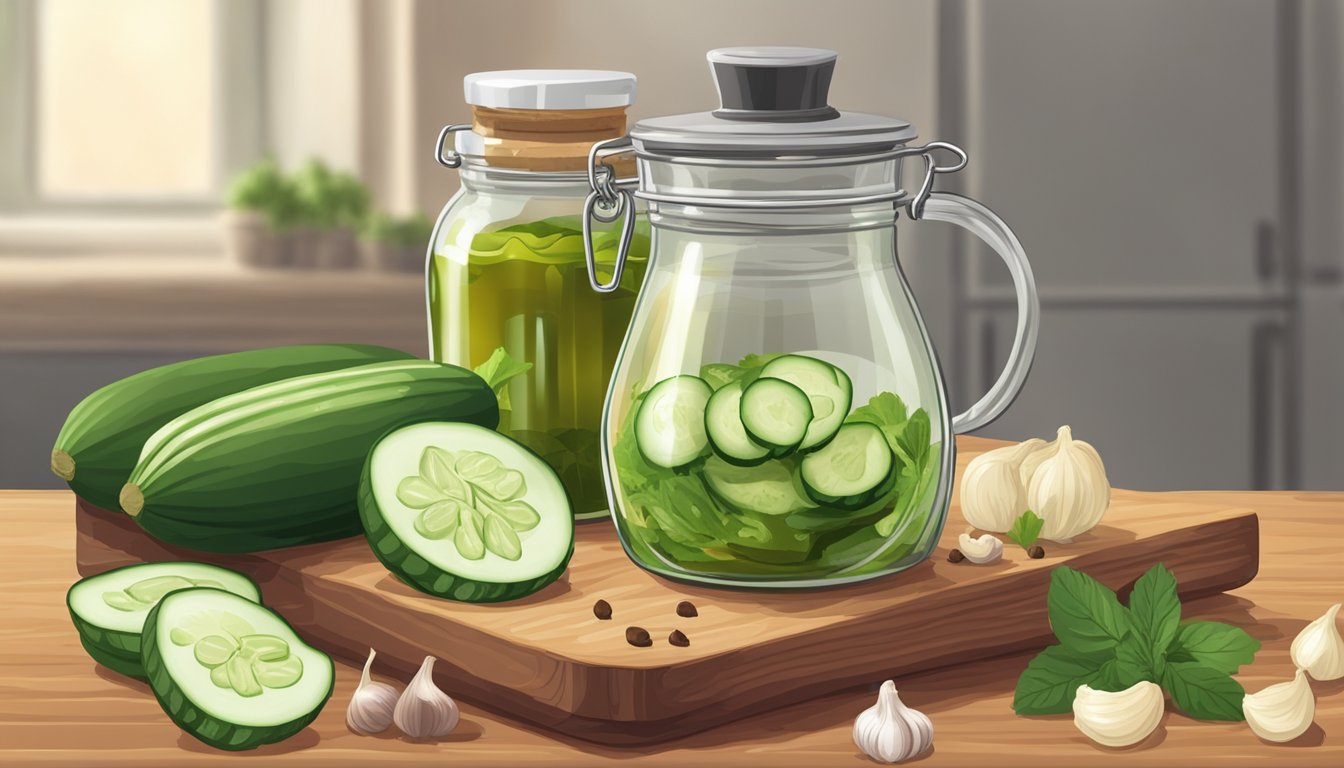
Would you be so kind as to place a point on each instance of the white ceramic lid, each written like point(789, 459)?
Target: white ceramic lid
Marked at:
point(550, 89)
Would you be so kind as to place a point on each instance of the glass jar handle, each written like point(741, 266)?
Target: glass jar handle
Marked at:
point(986, 225)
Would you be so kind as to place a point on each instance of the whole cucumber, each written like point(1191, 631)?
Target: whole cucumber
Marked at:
point(279, 464)
point(101, 440)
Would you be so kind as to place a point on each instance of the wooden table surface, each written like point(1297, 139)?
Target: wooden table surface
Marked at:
point(58, 708)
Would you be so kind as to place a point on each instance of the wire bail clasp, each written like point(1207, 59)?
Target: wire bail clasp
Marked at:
point(607, 202)
point(931, 169)
point(449, 158)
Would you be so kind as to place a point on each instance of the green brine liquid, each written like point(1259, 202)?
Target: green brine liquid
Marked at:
point(525, 288)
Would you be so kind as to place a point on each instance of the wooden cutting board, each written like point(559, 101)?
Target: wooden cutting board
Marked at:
point(547, 660)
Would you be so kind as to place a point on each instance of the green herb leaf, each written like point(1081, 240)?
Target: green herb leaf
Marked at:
point(888, 413)
point(1050, 681)
point(1156, 609)
point(719, 375)
point(1213, 644)
point(1026, 529)
point(1085, 615)
point(1135, 661)
point(498, 370)
point(913, 442)
point(758, 361)
point(1202, 692)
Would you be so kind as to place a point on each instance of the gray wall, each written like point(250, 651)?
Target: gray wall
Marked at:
point(1173, 170)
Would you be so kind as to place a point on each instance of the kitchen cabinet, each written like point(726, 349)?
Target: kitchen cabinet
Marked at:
point(1147, 185)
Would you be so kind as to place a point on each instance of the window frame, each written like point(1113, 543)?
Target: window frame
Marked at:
point(239, 95)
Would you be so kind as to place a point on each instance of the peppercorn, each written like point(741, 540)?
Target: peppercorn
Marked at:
point(686, 610)
point(638, 637)
point(1036, 552)
point(602, 610)
point(955, 556)
point(678, 638)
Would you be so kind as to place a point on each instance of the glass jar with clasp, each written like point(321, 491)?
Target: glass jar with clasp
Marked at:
point(778, 416)
point(507, 285)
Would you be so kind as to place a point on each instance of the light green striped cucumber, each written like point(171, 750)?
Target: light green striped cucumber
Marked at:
point(230, 672)
point(465, 513)
point(101, 439)
point(109, 609)
point(279, 465)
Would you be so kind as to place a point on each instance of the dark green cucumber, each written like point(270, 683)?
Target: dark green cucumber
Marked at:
point(854, 469)
point(670, 423)
point(280, 684)
point(278, 465)
point(723, 426)
point(109, 609)
point(828, 389)
point(775, 414)
point(465, 513)
point(101, 440)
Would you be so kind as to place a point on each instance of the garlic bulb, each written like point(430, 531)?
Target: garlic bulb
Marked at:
point(1121, 718)
point(889, 731)
point(1066, 486)
point(1319, 649)
point(992, 491)
point(371, 705)
point(1283, 711)
point(980, 550)
point(423, 711)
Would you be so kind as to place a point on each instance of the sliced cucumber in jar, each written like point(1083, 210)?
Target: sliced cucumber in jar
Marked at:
point(109, 609)
point(670, 423)
point(727, 436)
point(775, 414)
point(855, 468)
point(230, 672)
point(771, 488)
point(463, 512)
point(828, 389)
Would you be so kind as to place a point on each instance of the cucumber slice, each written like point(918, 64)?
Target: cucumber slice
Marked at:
point(855, 468)
point(231, 672)
point(463, 512)
point(771, 488)
point(670, 424)
point(828, 389)
point(723, 426)
point(776, 414)
point(109, 610)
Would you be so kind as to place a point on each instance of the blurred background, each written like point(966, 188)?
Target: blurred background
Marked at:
point(1174, 171)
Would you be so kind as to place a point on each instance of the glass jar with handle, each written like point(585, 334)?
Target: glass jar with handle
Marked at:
point(778, 416)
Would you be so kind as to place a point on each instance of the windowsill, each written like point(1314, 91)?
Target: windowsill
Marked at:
point(109, 303)
point(196, 236)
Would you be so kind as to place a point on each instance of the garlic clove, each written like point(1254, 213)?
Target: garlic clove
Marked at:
point(371, 705)
point(981, 550)
point(1319, 649)
point(1120, 718)
point(1066, 486)
point(992, 492)
point(1281, 712)
point(889, 731)
point(424, 711)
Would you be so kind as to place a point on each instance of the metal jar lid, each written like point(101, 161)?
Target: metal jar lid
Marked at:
point(772, 102)
point(774, 144)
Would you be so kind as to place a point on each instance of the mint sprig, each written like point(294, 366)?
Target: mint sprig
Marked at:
point(1111, 647)
point(1026, 529)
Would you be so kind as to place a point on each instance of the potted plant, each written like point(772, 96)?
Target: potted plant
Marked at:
point(261, 208)
point(396, 244)
point(333, 207)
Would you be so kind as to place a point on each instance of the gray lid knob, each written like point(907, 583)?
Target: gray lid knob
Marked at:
point(773, 84)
